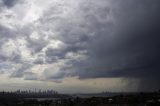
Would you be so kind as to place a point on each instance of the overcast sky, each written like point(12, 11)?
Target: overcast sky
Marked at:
point(80, 45)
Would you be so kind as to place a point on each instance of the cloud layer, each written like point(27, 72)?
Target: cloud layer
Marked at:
point(52, 39)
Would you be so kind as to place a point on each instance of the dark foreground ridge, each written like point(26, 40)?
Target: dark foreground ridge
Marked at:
point(53, 98)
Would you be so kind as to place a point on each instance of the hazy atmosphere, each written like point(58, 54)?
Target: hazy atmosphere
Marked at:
point(80, 46)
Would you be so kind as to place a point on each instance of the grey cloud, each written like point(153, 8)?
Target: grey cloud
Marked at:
point(17, 74)
point(6, 32)
point(36, 45)
point(76, 35)
point(10, 3)
point(54, 75)
point(39, 61)
point(120, 40)
point(21, 71)
point(49, 74)
point(15, 58)
point(30, 76)
point(131, 50)
point(52, 55)
point(126, 46)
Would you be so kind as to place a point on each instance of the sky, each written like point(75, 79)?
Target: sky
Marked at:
point(80, 46)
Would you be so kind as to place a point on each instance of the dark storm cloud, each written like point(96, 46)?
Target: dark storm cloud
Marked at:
point(10, 3)
point(127, 47)
point(107, 38)
point(137, 49)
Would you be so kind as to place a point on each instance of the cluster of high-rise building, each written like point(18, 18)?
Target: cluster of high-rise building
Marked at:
point(36, 91)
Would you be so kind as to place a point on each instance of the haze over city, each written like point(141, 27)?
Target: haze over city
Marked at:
point(80, 46)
